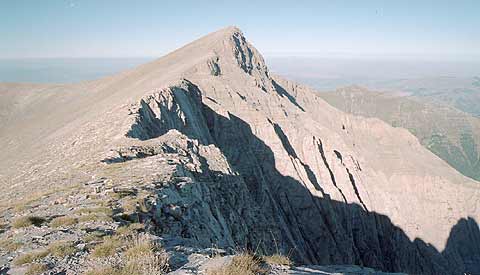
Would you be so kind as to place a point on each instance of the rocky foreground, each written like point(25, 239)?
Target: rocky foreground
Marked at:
point(89, 228)
point(181, 163)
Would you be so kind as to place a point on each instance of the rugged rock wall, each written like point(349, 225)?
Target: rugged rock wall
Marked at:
point(293, 174)
point(235, 196)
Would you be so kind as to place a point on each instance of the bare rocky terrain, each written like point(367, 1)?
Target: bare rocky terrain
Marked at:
point(190, 158)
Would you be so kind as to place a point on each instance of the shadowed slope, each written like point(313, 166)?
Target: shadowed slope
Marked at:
point(314, 229)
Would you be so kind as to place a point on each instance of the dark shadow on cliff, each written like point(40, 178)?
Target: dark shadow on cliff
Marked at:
point(463, 246)
point(318, 230)
point(324, 231)
point(281, 91)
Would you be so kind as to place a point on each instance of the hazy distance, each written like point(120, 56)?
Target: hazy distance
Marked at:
point(322, 73)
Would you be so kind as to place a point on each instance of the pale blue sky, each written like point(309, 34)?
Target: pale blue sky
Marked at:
point(406, 29)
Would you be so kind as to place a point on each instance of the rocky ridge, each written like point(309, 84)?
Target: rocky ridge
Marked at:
point(209, 152)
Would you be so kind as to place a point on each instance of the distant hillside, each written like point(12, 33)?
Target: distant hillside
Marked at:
point(460, 93)
point(451, 134)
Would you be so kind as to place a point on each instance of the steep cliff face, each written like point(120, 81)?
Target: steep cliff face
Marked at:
point(264, 163)
point(251, 203)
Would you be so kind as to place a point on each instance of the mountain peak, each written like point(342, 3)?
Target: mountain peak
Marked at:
point(230, 30)
point(225, 50)
point(213, 40)
point(248, 57)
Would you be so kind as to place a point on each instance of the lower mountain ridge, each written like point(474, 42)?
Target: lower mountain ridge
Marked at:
point(451, 134)
point(205, 152)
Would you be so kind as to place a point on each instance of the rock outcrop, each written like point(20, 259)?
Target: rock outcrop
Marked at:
point(229, 156)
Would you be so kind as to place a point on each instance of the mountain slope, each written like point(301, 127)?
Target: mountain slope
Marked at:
point(221, 153)
point(450, 134)
point(461, 93)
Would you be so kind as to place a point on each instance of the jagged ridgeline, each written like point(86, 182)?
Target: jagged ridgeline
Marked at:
point(205, 148)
